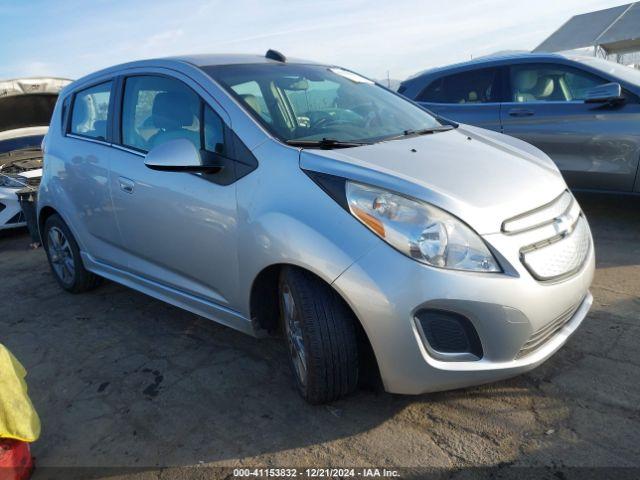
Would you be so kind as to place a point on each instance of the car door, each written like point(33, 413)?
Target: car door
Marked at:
point(471, 96)
point(178, 229)
point(82, 170)
point(595, 145)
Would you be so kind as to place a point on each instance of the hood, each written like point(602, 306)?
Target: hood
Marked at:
point(28, 102)
point(481, 177)
point(26, 106)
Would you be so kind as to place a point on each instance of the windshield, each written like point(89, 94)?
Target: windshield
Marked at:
point(313, 102)
point(627, 74)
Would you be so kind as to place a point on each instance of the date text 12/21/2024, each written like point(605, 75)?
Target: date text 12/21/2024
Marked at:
point(315, 472)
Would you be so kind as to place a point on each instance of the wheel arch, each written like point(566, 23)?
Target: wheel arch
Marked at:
point(265, 313)
point(47, 211)
point(44, 213)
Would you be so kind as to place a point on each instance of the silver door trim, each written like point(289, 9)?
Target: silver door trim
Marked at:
point(129, 150)
point(88, 139)
point(458, 104)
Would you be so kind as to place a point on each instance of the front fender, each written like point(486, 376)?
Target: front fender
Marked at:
point(292, 221)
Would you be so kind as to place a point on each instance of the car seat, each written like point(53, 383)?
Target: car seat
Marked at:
point(172, 113)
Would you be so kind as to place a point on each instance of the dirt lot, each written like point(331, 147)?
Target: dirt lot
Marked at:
point(121, 379)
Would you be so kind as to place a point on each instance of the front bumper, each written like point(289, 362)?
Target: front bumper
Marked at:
point(10, 210)
point(386, 289)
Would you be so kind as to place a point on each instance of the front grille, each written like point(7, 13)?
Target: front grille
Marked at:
point(543, 335)
point(561, 257)
point(555, 238)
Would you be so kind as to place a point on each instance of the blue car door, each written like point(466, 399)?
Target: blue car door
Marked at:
point(595, 145)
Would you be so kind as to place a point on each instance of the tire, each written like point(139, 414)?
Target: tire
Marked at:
point(64, 257)
point(315, 317)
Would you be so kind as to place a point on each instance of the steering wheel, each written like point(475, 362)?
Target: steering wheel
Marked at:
point(369, 113)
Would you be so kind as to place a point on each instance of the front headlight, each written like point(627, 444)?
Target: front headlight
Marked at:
point(12, 181)
point(420, 230)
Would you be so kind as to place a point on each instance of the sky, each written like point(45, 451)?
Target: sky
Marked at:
point(73, 38)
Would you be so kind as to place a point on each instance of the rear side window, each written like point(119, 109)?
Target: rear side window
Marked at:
point(475, 86)
point(90, 112)
point(64, 115)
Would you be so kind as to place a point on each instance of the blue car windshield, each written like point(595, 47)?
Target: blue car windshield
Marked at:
point(299, 102)
point(623, 72)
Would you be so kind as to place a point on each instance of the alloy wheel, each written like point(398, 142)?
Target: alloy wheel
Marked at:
point(61, 255)
point(293, 330)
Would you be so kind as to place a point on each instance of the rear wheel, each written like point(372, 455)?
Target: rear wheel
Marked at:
point(321, 337)
point(64, 257)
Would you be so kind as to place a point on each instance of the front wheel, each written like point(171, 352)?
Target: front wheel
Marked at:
point(321, 337)
point(64, 257)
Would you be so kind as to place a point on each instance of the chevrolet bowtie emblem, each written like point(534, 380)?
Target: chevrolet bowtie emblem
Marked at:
point(564, 223)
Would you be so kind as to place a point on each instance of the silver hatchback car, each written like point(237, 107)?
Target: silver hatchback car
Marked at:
point(281, 196)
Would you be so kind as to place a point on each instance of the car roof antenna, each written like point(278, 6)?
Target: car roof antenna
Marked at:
point(275, 55)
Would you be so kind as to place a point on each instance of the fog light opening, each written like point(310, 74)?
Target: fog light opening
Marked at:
point(449, 336)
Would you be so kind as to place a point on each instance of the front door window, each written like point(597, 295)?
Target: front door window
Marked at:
point(158, 109)
point(551, 83)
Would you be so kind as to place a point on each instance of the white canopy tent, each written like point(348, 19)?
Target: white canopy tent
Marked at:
point(615, 31)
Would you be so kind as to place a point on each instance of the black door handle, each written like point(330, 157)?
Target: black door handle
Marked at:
point(520, 112)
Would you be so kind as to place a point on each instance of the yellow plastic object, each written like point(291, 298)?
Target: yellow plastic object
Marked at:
point(18, 418)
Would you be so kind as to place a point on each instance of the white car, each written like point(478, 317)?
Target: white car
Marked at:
point(25, 111)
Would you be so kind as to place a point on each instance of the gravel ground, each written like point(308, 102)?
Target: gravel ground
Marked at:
point(120, 379)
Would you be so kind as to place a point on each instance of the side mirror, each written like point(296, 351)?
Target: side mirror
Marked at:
point(607, 93)
point(180, 155)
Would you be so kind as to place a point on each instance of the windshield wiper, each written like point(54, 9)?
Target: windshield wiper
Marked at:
point(325, 143)
point(425, 131)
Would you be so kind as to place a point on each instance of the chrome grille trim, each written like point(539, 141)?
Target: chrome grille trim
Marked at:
point(546, 333)
point(539, 217)
point(555, 238)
